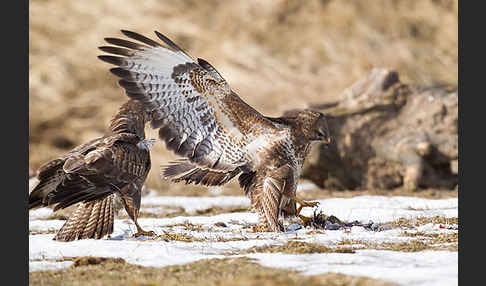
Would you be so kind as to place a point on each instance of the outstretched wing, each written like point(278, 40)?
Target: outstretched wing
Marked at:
point(197, 114)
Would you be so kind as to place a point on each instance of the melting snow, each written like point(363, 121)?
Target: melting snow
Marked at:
point(405, 268)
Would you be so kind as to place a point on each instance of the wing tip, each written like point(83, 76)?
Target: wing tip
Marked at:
point(118, 61)
point(116, 51)
point(168, 41)
point(140, 37)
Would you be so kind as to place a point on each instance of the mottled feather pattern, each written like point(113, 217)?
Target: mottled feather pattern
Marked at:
point(187, 99)
point(48, 169)
point(267, 189)
point(131, 198)
point(193, 174)
point(217, 134)
point(92, 173)
point(89, 220)
point(246, 181)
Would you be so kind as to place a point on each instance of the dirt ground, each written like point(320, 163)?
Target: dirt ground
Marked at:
point(232, 271)
point(276, 55)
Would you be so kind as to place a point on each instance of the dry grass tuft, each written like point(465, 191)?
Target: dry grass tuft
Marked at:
point(206, 272)
point(179, 237)
point(92, 260)
point(298, 247)
point(414, 222)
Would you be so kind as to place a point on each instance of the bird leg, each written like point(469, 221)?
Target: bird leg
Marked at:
point(303, 204)
point(265, 227)
point(132, 207)
point(260, 228)
point(141, 232)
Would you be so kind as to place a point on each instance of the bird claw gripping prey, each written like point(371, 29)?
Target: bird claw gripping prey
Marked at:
point(304, 204)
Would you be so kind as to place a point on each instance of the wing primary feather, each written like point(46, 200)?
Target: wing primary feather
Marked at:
point(138, 37)
point(214, 166)
point(169, 42)
point(125, 43)
point(116, 51)
point(123, 73)
point(118, 61)
point(177, 91)
point(132, 87)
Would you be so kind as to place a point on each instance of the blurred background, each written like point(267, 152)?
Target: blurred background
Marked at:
point(277, 55)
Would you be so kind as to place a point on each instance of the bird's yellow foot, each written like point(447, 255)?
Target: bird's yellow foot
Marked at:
point(306, 203)
point(303, 204)
point(145, 233)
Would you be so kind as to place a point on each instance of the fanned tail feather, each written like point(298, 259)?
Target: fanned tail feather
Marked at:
point(93, 219)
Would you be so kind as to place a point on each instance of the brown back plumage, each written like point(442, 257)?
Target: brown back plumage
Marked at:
point(91, 173)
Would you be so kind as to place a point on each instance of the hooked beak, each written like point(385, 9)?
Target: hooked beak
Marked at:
point(327, 142)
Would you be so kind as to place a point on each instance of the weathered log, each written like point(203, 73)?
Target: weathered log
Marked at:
point(388, 134)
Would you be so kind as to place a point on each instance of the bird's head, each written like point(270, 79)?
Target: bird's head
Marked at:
point(313, 125)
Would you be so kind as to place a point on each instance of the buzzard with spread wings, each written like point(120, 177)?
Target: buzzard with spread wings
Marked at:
point(97, 175)
point(217, 135)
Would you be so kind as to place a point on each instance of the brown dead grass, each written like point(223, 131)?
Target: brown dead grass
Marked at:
point(414, 222)
point(443, 241)
point(422, 241)
point(297, 247)
point(277, 55)
point(318, 193)
point(229, 271)
point(179, 237)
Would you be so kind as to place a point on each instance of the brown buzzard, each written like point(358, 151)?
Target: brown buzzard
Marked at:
point(215, 132)
point(96, 174)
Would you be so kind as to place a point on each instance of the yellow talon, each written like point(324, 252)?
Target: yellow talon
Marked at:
point(145, 233)
point(303, 204)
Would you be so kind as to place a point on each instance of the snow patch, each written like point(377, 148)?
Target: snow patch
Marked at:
point(405, 268)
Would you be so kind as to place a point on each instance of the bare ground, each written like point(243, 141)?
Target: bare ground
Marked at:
point(230, 271)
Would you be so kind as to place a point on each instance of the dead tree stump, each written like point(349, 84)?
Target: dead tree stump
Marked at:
point(387, 135)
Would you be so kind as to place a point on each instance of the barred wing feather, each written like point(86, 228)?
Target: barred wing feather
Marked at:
point(186, 99)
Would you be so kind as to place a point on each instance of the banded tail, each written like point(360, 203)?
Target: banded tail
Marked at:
point(92, 219)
